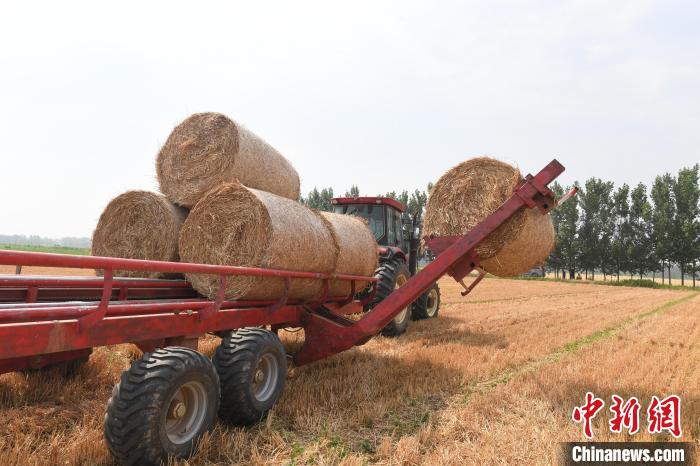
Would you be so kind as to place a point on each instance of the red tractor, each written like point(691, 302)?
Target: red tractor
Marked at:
point(398, 254)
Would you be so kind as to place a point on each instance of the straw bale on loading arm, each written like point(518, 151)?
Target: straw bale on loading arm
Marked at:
point(474, 189)
point(236, 225)
point(139, 225)
point(208, 149)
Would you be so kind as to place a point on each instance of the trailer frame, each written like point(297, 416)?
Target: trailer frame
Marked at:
point(44, 320)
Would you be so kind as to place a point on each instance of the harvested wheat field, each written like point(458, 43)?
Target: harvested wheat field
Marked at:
point(492, 380)
point(62, 271)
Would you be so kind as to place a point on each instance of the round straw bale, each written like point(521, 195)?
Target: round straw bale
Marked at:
point(358, 251)
point(139, 225)
point(235, 225)
point(530, 248)
point(471, 191)
point(208, 149)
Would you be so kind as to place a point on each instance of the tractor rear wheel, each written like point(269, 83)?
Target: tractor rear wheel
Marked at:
point(392, 274)
point(162, 406)
point(252, 367)
point(427, 305)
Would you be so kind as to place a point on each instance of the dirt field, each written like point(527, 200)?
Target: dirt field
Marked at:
point(493, 380)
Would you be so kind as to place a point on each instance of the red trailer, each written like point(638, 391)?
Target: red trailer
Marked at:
point(173, 394)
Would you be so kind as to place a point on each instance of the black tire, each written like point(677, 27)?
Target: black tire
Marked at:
point(427, 305)
point(252, 368)
point(391, 274)
point(162, 406)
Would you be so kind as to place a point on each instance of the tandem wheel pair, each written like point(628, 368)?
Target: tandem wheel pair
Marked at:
point(170, 397)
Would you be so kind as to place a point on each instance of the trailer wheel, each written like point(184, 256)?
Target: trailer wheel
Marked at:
point(392, 274)
point(427, 305)
point(252, 368)
point(162, 405)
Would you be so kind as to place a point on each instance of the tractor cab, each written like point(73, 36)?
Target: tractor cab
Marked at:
point(398, 247)
point(383, 215)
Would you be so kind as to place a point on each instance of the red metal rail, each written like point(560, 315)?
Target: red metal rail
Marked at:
point(25, 288)
point(49, 319)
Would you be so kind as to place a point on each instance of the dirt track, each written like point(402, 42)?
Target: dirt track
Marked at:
point(493, 379)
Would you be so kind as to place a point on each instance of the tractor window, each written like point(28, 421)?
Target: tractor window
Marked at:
point(399, 228)
point(395, 233)
point(374, 214)
point(391, 234)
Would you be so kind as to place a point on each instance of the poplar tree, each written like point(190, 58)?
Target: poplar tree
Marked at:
point(686, 224)
point(594, 233)
point(554, 260)
point(640, 227)
point(663, 218)
point(567, 235)
point(622, 233)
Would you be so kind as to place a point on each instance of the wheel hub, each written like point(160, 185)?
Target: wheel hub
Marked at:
point(177, 410)
point(265, 377)
point(431, 305)
point(186, 412)
point(401, 316)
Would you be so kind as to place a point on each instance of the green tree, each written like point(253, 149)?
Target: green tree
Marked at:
point(586, 238)
point(662, 220)
point(326, 198)
point(320, 200)
point(622, 234)
point(606, 228)
point(567, 235)
point(641, 243)
point(686, 225)
point(554, 260)
point(413, 203)
point(402, 197)
point(416, 204)
point(353, 192)
point(412, 216)
point(313, 199)
point(594, 234)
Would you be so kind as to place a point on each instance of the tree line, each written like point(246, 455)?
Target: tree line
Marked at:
point(35, 240)
point(631, 230)
point(604, 229)
point(413, 201)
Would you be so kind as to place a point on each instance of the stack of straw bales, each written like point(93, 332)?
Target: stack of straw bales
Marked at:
point(229, 198)
point(467, 194)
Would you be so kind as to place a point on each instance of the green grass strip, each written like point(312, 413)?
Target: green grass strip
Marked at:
point(52, 249)
point(569, 348)
point(628, 282)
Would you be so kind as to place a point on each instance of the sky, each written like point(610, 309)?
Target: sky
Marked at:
point(385, 95)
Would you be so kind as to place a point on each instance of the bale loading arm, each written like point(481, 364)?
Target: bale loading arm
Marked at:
point(328, 333)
